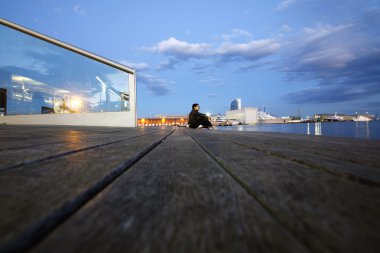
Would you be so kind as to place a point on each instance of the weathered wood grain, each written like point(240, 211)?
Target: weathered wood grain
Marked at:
point(336, 159)
point(197, 191)
point(330, 213)
point(29, 149)
point(29, 193)
point(176, 199)
point(355, 150)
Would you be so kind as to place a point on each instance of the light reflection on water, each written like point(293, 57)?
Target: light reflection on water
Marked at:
point(364, 130)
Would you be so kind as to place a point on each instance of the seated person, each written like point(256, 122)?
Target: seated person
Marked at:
point(196, 118)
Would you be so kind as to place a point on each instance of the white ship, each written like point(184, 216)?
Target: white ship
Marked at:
point(263, 115)
point(335, 117)
point(361, 118)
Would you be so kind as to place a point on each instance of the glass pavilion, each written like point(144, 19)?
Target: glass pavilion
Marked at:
point(46, 81)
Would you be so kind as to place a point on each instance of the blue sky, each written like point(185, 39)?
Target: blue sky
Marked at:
point(322, 56)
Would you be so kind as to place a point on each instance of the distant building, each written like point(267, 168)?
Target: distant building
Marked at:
point(332, 117)
point(247, 115)
point(236, 104)
point(164, 120)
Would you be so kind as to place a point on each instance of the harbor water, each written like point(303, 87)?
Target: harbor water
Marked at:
point(351, 129)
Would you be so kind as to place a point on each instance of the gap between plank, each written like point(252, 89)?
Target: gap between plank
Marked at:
point(343, 174)
point(32, 235)
point(29, 162)
point(50, 143)
point(250, 192)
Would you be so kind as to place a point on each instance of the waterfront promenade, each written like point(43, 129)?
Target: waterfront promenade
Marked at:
point(97, 189)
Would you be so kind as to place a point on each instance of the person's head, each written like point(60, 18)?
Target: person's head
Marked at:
point(195, 107)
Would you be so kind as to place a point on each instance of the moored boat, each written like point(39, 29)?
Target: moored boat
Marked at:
point(361, 118)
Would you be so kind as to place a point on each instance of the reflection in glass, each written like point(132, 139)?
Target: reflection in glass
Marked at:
point(40, 77)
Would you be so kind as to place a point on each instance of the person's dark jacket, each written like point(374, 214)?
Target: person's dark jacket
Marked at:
point(194, 115)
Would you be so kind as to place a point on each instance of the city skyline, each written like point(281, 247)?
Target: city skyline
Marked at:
point(320, 56)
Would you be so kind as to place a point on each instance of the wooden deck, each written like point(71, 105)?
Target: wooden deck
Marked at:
point(93, 189)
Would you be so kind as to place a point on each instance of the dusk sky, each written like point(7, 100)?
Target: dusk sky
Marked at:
point(322, 56)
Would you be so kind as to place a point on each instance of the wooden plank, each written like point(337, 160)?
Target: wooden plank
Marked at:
point(18, 137)
point(327, 212)
point(362, 151)
point(353, 147)
point(176, 199)
point(336, 159)
point(30, 193)
point(46, 148)
point(13, 137)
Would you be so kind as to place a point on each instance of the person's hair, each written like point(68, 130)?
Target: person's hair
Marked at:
point(194, 105)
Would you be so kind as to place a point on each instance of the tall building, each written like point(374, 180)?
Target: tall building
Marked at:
point(236, 104)
point(45, 81)
point(247, 115)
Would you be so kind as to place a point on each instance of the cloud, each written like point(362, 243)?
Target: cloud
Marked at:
point(285, 5)
point(227, 51)
point(244, 68)
point(285, 28)
point(79, 9)
point(201, 68)
point(345, 59)
point(212, 82)
point(138, 66)
point(46, 67)
point(157, 86)
point(169, 64)
point(333, 93)
point(372, 105)
point(236, 33)
point(179, 48)
point(252, 50)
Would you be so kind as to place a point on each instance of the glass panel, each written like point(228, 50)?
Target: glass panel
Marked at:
point(40, 77)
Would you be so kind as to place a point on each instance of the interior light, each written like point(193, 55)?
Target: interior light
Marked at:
point(75, 103)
